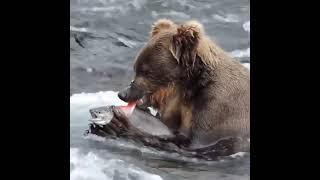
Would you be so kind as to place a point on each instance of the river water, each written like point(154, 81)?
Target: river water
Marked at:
point(105, 36)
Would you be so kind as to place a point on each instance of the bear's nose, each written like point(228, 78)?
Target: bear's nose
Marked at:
point(122, 95)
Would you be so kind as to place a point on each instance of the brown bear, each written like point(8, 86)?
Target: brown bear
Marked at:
point(200, 92)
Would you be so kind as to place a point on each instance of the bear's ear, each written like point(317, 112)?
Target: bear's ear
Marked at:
point(161, 24)
point(185, 42)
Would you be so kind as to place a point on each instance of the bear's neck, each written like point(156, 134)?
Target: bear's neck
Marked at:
point(195, 80)
point(160, 99)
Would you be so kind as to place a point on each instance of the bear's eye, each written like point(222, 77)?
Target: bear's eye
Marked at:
point(145, 72)
point(141, 73)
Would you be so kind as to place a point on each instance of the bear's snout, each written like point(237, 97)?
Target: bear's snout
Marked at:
point(123, 95)
point(131, 93)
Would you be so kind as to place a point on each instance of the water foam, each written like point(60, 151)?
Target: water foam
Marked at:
point(238, 154)
point(72, 28)
point(91, 166)
point(247, 65)
point(119, 7)
point(229, 18)
point(246, 26)
point(240, 53)
point(171, 13)
point(91, 100)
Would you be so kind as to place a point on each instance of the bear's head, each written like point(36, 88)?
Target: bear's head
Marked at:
point(167, 59)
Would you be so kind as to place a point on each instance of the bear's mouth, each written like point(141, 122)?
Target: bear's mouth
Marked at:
point(144, 101)
point(145, 104)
